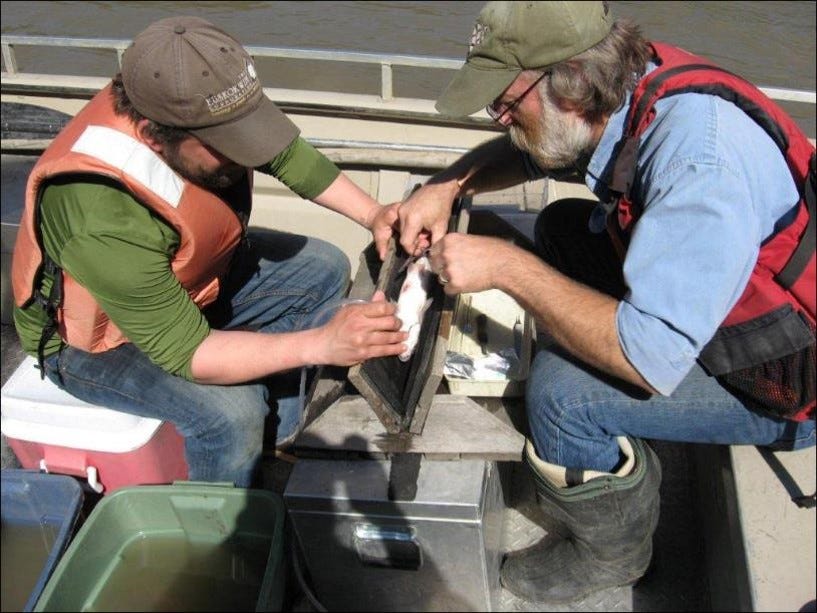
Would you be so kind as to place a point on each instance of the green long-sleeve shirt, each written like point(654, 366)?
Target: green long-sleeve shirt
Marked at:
point(120, 251)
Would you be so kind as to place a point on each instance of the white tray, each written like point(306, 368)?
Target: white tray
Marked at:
point(506, 327)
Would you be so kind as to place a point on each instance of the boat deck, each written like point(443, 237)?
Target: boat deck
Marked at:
point(728, 537)
point(674, 581)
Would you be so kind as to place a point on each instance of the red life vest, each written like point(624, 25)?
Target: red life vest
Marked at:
point(764, 351)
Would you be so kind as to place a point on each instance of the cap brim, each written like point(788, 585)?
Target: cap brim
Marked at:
point(474, 88)
point(254, 139)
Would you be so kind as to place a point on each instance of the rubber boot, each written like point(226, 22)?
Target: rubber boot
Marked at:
point(607, 521)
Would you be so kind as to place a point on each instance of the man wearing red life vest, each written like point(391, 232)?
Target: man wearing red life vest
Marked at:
point(136, 280)
point(678, 306)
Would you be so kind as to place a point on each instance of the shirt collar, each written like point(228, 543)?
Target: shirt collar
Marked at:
point(601, 162)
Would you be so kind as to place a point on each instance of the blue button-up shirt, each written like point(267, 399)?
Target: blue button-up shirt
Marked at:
point(713, 186)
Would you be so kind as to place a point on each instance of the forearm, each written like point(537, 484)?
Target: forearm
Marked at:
point(425, 214)
point(579, 318)
point(356, 333)
point(228, 357)
point(491, 166)
point(346, 198)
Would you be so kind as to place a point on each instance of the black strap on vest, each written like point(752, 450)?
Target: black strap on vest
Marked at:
point(804, 501)
point(802, 254)
point(50, 304)
point(624, 168)
point(715, 89)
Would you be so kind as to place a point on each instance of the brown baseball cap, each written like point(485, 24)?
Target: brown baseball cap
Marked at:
point(186, 73)
point(510, 37)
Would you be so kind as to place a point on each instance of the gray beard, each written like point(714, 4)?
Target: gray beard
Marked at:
point(558, 140)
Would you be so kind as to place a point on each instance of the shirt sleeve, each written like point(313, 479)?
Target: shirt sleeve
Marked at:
point(303, 169)
point(120, 251)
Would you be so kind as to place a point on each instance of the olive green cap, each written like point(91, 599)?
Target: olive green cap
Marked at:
point(510, 37)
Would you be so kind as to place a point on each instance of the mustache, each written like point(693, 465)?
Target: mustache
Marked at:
point(556, 140)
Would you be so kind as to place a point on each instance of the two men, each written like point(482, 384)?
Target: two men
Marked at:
point(640, 293)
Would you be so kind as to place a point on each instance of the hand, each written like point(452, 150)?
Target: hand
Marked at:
point(382, 226)
point(461, 265)
point(358, 332)
point(424, 216)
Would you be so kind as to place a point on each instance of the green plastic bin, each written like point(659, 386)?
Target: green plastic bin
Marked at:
point(189, 546)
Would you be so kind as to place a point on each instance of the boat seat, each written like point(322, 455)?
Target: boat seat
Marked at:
point(50, 430)
point(760, 545)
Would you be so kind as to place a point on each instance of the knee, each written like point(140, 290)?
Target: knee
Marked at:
point(332, 267)
point(565, 216)
point(239, 423)
point(542, 398)
point(559, 400)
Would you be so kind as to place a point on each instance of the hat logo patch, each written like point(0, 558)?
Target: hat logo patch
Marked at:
point(478, 36)
point(235, 95)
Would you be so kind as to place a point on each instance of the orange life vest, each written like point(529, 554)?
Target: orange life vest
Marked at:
point(97, 141)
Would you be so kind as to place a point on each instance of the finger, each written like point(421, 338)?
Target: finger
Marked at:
point(379, 296)
point(423, 243)
point(387, 338)
point(409, 230)
point(381, 243)
point(375, 310)
point(380, 351)
point(438, 230)
point(387, 323)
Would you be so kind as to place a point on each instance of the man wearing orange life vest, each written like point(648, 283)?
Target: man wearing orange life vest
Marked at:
point(136, 280)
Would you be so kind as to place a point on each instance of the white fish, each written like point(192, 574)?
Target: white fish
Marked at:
point(413, 302)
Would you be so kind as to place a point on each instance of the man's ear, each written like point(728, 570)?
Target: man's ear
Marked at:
point(141, 129)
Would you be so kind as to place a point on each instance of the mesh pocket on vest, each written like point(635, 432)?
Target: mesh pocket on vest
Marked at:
point(767, 362)
point(784, 387)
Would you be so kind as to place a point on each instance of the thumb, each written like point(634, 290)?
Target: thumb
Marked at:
point(381, 242)
point(438, 230)
point(379, 296)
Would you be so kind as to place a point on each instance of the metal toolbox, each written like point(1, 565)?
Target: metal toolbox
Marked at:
point(388, 536)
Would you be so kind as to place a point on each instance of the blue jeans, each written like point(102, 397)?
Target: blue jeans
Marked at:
point(283, 283)
point(575, 412)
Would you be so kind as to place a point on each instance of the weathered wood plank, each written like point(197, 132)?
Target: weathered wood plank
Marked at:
point(456, 426)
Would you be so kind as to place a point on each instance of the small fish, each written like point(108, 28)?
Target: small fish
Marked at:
point(413, 302)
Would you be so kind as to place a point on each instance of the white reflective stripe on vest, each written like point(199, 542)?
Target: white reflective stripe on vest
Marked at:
point(132, 158)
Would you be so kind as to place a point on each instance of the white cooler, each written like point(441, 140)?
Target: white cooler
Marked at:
point(50, 430)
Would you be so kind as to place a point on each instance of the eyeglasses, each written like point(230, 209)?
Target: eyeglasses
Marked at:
point(495, 114)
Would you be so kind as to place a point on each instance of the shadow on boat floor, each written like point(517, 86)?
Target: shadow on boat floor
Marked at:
point(675, 581)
